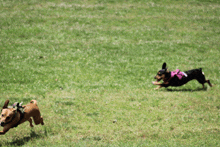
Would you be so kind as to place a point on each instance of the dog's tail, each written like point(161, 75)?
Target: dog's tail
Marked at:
point(34, 102)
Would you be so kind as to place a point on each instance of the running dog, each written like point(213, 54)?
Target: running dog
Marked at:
point(178, 78)
point(12, 116)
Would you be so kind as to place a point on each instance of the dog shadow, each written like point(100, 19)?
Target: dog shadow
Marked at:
point(186, 90)
point(22, 141)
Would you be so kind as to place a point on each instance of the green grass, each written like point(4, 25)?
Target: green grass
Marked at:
point(90, 65)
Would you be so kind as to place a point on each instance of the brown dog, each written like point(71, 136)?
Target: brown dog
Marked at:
point(13, 116)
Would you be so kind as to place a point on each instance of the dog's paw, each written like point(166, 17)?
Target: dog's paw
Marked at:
point(157, 88)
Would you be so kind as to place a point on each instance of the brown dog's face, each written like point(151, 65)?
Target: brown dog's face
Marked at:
point(7, 116)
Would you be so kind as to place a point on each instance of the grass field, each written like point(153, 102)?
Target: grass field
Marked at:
point(90, 65)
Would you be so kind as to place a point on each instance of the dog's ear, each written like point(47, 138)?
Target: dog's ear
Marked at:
point(6, 104)
point(164, 65)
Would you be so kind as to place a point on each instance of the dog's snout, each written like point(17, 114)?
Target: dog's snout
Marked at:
point(2, 123)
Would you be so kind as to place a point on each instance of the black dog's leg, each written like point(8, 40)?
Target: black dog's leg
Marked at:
point(160, 85)
point(201, 79)
point(208, 81)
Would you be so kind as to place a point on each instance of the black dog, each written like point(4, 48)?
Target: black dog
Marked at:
point(177, 78)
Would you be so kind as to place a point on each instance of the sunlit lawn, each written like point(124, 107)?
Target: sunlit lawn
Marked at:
point(90, 65)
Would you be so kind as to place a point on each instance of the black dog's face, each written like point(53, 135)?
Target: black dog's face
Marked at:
point(161, 74)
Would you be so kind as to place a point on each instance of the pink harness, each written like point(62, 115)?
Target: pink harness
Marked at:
point(178, 73)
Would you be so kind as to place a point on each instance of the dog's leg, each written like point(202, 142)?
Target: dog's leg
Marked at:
point(158, 87)
point(38, 120)
point(42, 121)
point(5, 129)
point(156, 83)
point(208, 81)
point(201, 79)
point(165, 84)
point(2, 132)
point(30, 121)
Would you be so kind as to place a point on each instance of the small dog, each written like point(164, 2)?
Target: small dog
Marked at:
point(14, 115)
point(177, 78)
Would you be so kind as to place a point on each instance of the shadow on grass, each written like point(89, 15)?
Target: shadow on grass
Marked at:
point(22, 141)
point(187, 90)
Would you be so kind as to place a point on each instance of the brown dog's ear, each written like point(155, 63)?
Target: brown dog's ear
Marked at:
point(164, 65)
point(6, 104)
